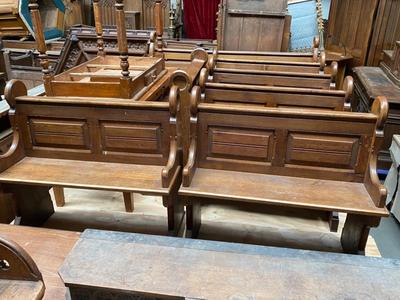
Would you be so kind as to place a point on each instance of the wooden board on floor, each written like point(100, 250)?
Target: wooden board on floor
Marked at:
point(164, 267)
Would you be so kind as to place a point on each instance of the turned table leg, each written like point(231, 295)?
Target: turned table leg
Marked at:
point(193, 217)
point(59, 196)
point(129, 202)
point(33, 203)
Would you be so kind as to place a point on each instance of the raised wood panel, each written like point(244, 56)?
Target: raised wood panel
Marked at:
point(252, 25)
point(59, 133)
point(322, 150)
point(128, 137)
point(314, 147)
point(143, 137)
point(240, 143)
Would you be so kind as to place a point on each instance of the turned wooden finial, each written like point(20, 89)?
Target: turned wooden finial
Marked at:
point(122, 40)
point(40, 40)
point(158, 19)
point(99, 27)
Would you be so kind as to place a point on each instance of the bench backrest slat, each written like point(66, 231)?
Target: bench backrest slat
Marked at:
point(322, 145)
point(277, 96)
point(138, 134)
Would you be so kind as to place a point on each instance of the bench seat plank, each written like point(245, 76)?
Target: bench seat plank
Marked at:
point(86, 174)
point(329, 195)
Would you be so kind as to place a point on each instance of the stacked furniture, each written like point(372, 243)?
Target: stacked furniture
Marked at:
point(135, 125)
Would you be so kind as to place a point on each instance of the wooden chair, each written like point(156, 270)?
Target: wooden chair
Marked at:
point(299, 158)
point(20, 278)
point(273, 96)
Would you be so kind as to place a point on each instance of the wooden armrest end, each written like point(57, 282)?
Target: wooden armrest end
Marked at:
point(374, 187)
point(175, 154)
point(191, 164)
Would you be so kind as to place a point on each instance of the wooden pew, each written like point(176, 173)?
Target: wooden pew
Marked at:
point(277, 78)
point(93, 143)
point(299, 158)
point(20, 278)
point(277, 96)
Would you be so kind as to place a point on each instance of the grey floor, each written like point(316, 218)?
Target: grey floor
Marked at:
point(387, 237)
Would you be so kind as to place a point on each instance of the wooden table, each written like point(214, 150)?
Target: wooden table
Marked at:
point(48, 248)
point(143, 265)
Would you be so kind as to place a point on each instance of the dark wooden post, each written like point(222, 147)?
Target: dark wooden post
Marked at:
point(123, 48)
point(41, 45)
point(158, 19)
point(99, 27)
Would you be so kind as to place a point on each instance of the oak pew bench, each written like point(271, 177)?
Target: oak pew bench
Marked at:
point(90, 143)
point(20, 278)
point(276, 78)
point(176, 268)
point(319, 160)
point(48, 248)
point(273, 96)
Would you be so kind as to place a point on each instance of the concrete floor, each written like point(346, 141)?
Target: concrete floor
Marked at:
point(253, 224)
point(387, 237)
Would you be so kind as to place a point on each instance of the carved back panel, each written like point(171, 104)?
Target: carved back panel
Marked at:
point(137, 133)
point(253, 25)
point(145, 7)
point(331, 145)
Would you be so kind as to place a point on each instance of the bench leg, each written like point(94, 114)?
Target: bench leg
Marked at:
point(355, 233)
point(129, 202)
point(59, 196)
point(193, 218)
point(333, 219)
point(33, 203)
point(175, 213)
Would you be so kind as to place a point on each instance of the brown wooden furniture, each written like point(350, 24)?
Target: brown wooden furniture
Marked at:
point(253, 25)
point(228, 270)
point(20, 278)
point(391, 63)
point(368, 83)
point(299, 158)
point(11, 23)
point(363, 29)
point(108, 144)
point(139, 13)
point(278, 96)
point(81, 45)
point(48, 248)
point(279, 78)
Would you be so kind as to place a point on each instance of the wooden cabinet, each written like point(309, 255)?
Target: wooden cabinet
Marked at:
point(370, 82)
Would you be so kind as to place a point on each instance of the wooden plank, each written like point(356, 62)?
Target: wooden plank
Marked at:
point(97, 175)
point(199, 269)
point(317, 194)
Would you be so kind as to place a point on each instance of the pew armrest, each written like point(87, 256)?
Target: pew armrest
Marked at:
point(175, 154)
point(377, 190)
point(191, 164)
